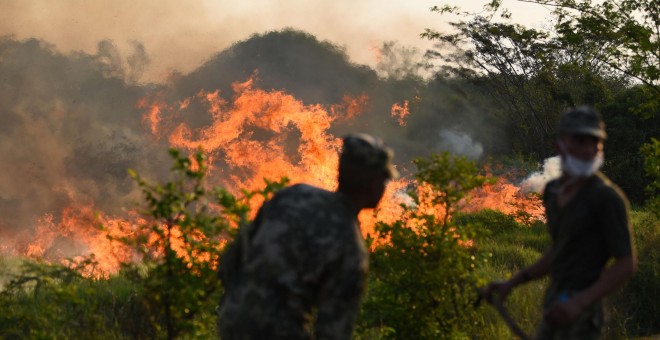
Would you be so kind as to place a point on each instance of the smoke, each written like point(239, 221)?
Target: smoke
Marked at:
point(70, 124)
point(112, 65)
point(398, 62)
point(184, 34)
point(137, 62)
point(69, 130)
point(460, 143)
point(536, 181)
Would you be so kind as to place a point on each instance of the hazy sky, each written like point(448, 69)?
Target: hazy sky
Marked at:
point(182, 34)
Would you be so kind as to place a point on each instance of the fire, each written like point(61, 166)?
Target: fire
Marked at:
point(256, 135)
point(400, 112)
point(251, 138)
point(152, 118)
point(507, 198)
point(78, 233)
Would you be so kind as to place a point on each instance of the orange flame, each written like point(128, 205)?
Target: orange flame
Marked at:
point(236, 136)
point(77, 234)
point(401, 112)
point(258, 134)
point(509, 199)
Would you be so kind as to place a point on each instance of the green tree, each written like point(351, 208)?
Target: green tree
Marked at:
point(423, 279)
point(623, 35)
point(43, 301)
point(180, 245)
point(589, 53)
point(599, 54)
point(626, 134)
point(652, 166)
point(515, 65)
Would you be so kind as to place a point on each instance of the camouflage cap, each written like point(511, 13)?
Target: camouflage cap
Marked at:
point(370, 152)
point(582, 120)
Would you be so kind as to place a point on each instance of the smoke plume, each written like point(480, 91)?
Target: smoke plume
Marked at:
point(72, 124)
point(537, 180)
point(460, 143)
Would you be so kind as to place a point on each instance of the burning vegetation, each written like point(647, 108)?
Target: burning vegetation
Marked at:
point(80, 138)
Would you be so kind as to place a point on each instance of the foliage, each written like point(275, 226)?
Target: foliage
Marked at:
point(603, 54)
point(590, 52)
point(651, 151)
point(178, 248)
point(630, 312)
point(45, 300)
point(529, 73)
point(626, 134)
point(181, 245)
point(422, 281)
point(624, 34)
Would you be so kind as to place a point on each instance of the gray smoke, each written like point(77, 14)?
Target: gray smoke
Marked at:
point(398, 62)
point(69, 130)
point(460, 143)
point(536, 181)
point(70, 127)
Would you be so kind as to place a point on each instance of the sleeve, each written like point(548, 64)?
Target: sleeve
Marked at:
point(615, 220)
point(230, 262)
point(340, 294)
point(233, 257)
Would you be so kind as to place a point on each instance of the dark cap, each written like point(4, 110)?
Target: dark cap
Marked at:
point(582, 120)
point(369, 152)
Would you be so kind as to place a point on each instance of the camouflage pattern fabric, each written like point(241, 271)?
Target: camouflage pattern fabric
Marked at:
point(298, 272)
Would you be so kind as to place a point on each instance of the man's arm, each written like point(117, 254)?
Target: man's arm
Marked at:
point(339, 298)
point(537, 270)
point(610, 280)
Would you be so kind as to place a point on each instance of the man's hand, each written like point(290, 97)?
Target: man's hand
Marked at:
point(563, 313)
point(502, 288)
point(499, 288)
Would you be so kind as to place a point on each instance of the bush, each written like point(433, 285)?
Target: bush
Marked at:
point(631, 310)
point(180, 247)
point(423, 280)
point(49, 301)
point(172, 291)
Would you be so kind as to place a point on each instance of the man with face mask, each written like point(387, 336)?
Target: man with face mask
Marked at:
point(587, 218)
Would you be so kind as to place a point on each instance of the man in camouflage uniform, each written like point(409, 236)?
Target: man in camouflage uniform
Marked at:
point(587, 218)
point(299, 270)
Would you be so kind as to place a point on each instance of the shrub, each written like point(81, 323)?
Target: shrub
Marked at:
point(423, 280)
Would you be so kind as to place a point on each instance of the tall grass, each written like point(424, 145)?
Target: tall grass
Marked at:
point(631, 312)
point(54, 302)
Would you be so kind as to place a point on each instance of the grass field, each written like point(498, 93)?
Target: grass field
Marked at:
point(42, 302)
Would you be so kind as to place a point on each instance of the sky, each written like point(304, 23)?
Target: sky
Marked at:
point(180, 35)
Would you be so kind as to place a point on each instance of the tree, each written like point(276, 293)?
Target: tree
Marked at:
point(423, 279)
point(180, 244)
point(533, 74)
point(624, 34)
point(652, 166)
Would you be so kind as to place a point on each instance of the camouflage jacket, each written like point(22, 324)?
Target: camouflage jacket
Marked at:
point(297, 272)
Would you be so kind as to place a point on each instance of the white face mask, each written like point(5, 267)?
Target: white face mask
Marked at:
point(578, 168)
